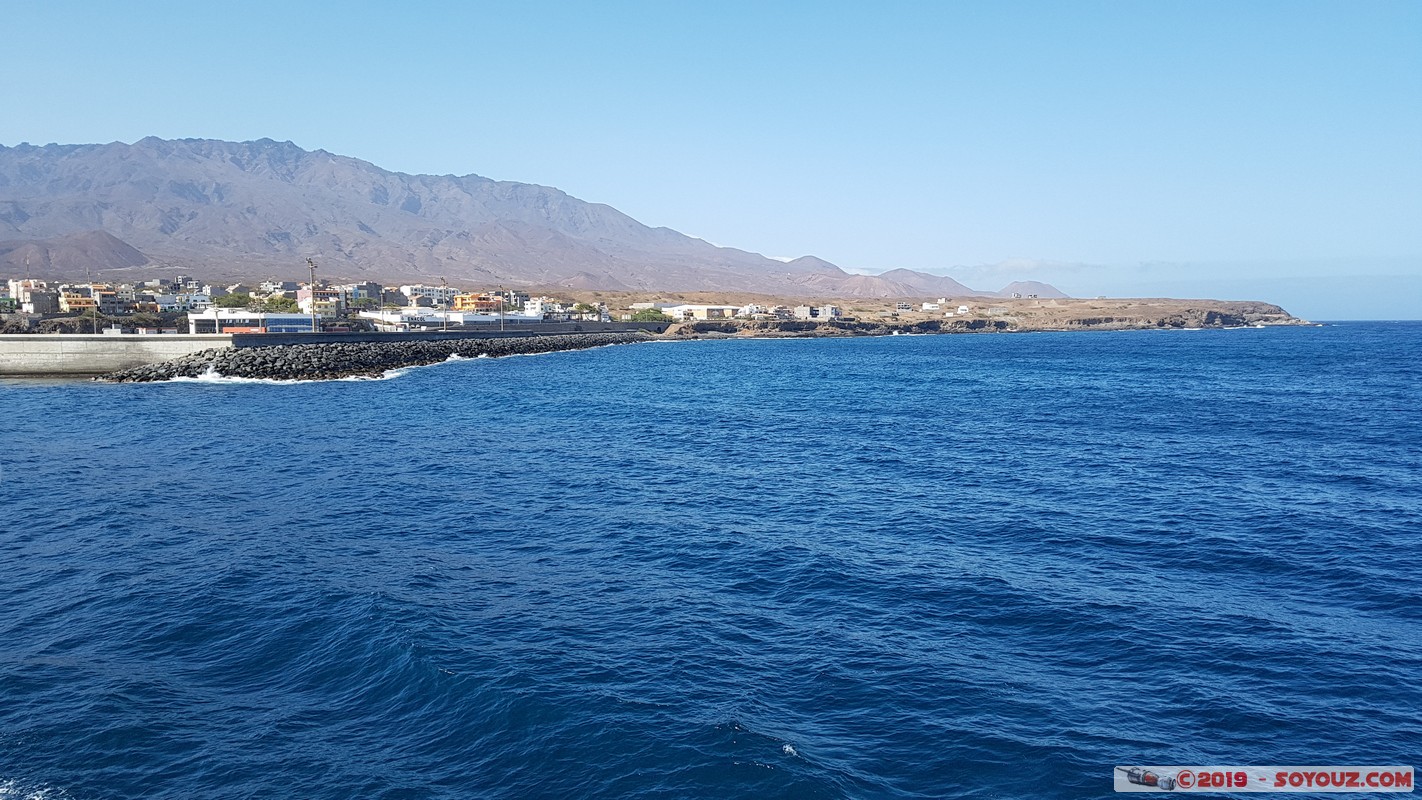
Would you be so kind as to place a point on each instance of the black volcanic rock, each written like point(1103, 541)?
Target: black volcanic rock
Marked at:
point(330, 361)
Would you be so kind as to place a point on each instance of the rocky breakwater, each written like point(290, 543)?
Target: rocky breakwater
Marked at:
point(356, 359)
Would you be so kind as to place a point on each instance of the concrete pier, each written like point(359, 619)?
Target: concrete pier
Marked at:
point(88, 354)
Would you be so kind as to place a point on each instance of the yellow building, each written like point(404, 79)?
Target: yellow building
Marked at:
point(483, 302)
point(70, 302)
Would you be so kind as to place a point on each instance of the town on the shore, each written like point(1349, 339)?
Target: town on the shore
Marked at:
point(188, 305)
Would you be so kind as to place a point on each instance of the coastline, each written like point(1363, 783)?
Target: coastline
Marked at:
point(340, 360)
point(1019, 317)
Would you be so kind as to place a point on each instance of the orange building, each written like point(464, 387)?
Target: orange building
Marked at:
point(483, 302)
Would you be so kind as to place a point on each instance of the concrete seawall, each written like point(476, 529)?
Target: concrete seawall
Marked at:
point(243, 340)
point(87, 354)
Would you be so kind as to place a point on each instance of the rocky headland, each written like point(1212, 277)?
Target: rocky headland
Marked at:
point(1017, 316)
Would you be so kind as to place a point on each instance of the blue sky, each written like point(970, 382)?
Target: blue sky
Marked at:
point(1265, 150)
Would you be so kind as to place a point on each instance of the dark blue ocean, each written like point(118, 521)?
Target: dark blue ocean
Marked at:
point(901, 567)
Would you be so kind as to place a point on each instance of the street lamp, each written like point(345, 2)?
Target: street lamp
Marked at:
point(312, 292)
point(444, 296)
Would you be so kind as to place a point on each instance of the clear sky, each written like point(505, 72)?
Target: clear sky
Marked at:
point(1264, 150)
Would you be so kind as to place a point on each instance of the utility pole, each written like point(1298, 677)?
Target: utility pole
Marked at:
point(444, 295)
point(94, 296)
point(312, 265)
point(501, 309)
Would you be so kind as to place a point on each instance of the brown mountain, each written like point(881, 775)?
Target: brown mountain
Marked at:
point(68, 255)
point(1029, 288)
point(929, 284)
point(244, 209)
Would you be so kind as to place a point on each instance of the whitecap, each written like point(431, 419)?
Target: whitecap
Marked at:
point(12, 790)
point(215, 378)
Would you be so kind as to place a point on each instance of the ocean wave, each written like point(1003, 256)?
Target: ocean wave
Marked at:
point(15, 790)
point(213, 377)
point(931, 566)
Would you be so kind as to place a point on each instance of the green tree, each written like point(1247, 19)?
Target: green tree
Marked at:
point(280, 304)
point(233, 301)
point(93, 321)
point(650, 315)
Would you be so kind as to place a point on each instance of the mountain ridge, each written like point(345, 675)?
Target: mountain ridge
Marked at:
point(90, 250)
point(237, 209)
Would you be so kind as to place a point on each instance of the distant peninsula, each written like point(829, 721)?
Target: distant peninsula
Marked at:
point(1015, 316)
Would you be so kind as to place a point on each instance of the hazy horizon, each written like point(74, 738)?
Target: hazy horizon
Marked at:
point(1258, 152)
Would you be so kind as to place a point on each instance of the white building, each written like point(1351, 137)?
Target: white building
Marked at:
point(931, 306)
point(33, 296)
point(820, 313)
point(546, 308)
point(419, 318)
point(326, 302)
point(165, 302)
point(441, 295)
point(240, 320)
point(414, 318)
point(698, 311)
point(20, 289)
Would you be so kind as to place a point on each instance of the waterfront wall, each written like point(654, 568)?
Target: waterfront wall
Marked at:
point(33, 354)
point(90, 354)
